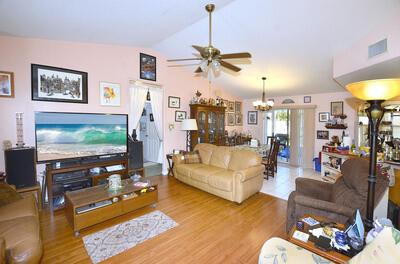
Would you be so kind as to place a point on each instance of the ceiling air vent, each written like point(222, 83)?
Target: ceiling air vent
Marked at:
point(377, 48)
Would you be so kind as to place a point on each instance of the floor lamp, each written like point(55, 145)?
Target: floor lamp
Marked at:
point(374, 92)
point(189, 125)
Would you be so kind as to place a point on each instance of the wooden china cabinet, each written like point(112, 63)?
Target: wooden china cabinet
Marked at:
point(210, 123)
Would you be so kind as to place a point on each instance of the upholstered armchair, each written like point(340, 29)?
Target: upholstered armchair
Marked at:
point(337, 202)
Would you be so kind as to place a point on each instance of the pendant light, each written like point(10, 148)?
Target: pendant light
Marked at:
point(263, 105)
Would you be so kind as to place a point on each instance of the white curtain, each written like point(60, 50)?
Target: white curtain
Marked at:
point(136, 104)
point(156, 96)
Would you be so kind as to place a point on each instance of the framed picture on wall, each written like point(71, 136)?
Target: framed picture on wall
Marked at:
point(323, 134)
point(110, 94)
point(58, 84)
point(238, 107)
point(323, 116)
point(239, 119)
point(148, 67)
point(225, 103)
point(307, 99)
point(231, 107)
point(252, 117)
point(337, 108)
point(230, 119)
point(6, 84)
point(180, 116)
point(174, 102)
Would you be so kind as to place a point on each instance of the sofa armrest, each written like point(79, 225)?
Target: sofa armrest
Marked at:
point(323, 205)
point(249, 173)
point(177, 159)
point(2, 251)
point(315, 189)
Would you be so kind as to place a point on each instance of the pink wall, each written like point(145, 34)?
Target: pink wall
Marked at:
point(322, 104)
point(110, 63)
point(356, 57)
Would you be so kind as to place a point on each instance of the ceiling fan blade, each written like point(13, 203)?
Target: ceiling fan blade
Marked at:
point(198, 70)
point(199, 49)
point(184, 59)
point(240, 55)
point(229, 66)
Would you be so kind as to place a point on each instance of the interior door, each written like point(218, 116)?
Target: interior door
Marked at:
point(151, 142)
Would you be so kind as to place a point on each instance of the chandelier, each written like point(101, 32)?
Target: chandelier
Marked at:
point(263, 105)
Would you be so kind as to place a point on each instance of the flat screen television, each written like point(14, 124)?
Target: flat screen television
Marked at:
point(61, 136)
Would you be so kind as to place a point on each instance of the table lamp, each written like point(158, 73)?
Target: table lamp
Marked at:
point(374, 92)
point(188, 125)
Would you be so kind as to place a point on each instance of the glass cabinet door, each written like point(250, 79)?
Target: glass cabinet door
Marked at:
point(212, 127)
point(221, 128)
point(201, 122)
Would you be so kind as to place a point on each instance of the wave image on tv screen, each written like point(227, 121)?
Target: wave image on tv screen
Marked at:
point(68, 135)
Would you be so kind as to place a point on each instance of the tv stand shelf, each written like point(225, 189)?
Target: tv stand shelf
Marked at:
point(80, 172)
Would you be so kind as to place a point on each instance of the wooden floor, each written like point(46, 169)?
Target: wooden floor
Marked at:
point(210, 229)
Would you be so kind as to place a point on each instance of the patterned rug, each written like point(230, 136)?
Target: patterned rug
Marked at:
point(116, 239)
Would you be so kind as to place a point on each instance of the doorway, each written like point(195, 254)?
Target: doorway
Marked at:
point(277, 124)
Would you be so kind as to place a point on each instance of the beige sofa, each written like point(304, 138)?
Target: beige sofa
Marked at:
point(226, 172)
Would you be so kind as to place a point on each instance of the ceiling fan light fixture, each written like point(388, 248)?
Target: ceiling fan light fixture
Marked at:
point(204, 65)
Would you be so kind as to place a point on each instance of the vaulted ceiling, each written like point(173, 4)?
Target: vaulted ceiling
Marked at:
point(292, 42)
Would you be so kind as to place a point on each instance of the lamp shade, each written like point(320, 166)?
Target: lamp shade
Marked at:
point(381, 89)
point(189, 124)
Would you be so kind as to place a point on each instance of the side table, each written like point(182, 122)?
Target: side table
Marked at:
point(36, 189)
point(331, 255)
point(170, 165)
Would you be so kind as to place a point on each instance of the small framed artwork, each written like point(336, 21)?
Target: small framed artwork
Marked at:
point(337, 108)
point(174, 102)
point(323, 116)
point(252, 117)
point(323, 134)
point(151, 118)
point(110, 94)
point(59, 85)
point(6, 84)
point(225, 104)
point(239, 119)
point(238, 107)
point(231, 107)
point(307, 99)
point(180, 116)
point(148, 67)
point(230, 119)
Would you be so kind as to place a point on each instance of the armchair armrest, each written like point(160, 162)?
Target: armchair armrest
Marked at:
point(251, 172)
point(313, 188)
point(177, 159)
point(323, 205)
point(2, 251)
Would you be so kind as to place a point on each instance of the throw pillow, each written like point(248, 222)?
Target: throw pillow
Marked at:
point(192, 157)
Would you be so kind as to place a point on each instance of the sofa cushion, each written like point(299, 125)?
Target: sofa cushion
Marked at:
point(205, 151)
point(385, 248)
point(20, 208)
point(201, 174)
point(22, 236)
point(243, 159)
point(222, 180)
point(8, 194)
point(276, 250)
point(221, 157)
point(186, 169)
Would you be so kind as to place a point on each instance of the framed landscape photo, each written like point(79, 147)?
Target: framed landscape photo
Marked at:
point(148, 67)
point(231, 107)
point(180, 116)
point(307, 99)
point(110, 94)
point(59, 85)
point(324, 116)
point(323, 134)
point(6, 84)
point(239, 119)
point(230, 119)
point(252, 117)
point(238, 107)
point(337, 108)
point(174, 102)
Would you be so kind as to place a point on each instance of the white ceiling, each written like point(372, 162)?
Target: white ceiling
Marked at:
point(125, 22)
point(292, 42)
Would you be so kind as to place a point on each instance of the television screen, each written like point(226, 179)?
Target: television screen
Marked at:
point(74, 135)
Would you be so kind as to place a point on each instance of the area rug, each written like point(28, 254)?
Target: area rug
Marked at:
point(116, 239)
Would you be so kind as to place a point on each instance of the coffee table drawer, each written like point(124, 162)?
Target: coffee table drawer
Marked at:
point(143, 200)
point(98, 215)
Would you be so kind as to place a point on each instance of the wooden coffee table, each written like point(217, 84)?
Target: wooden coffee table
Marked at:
point(332, 255)
point(90, 206)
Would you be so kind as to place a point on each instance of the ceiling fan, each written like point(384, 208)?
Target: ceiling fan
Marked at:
point(211, 55)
